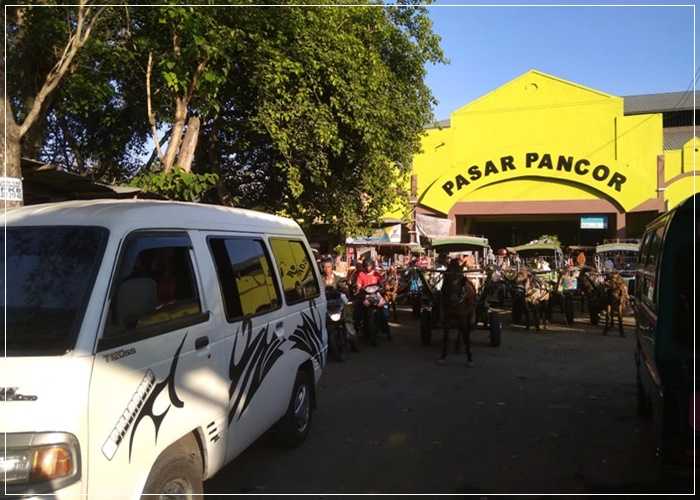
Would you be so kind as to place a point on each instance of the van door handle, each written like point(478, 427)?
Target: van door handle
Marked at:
point(201, 343)
point(279, 329)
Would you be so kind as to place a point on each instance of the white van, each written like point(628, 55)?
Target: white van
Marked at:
point(149, 343)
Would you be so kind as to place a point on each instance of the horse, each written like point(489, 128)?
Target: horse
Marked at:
point(458, 301)
point(535, 297)
point(391, 290)
point(617, 298)
point(590, 286)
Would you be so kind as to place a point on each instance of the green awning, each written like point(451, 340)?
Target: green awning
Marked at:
point(617, 247)
point(458, 243)
point(532, 247)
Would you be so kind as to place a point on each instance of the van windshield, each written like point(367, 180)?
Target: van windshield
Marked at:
point(49, 275)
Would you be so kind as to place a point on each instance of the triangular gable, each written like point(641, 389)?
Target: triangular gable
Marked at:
point(534, 89)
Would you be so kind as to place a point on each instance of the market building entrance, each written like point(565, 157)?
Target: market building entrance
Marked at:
point(510, 230)
point(542, 155)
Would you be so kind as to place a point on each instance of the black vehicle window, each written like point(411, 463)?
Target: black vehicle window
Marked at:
point(161, 264)
point(50, 275)
point(245, 276)
point(296, 270)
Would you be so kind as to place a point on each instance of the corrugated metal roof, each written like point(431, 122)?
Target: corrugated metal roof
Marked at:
point(660, 103)
point(676, 137)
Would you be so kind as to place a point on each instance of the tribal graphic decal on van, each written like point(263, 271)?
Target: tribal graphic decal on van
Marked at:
point(256, 360)
point(259, 354)
point(141, 405)
point(308, 336)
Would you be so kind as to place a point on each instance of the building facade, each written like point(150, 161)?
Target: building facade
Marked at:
point(541, 155)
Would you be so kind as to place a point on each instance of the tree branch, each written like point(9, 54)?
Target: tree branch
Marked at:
point(75, 42)
point(151, 115)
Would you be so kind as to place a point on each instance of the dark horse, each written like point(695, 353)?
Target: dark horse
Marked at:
point(590, 285)
point(458, 304)
point(616, 301)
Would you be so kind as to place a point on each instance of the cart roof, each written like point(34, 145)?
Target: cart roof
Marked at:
point(529, 247)
point(617, 247)
point(457, 243)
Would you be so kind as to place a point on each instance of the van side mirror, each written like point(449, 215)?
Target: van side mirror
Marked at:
point(135, 298)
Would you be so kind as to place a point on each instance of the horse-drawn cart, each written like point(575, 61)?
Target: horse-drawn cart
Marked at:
point(620, 256)
point(431, 314)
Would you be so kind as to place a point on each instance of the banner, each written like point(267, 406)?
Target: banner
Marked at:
point(11, 189)
point(432, 227)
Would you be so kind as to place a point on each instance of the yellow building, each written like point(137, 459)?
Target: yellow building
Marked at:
point(541, 155)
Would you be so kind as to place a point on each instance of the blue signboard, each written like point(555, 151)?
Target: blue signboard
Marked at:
point(594, 222)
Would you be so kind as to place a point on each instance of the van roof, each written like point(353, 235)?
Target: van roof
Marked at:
point(128, 215)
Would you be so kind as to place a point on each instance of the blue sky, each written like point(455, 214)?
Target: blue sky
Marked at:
point(622, 51)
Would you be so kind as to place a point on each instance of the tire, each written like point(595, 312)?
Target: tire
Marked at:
point(594, 317)
point(426, 328)
point(336, 344)
point(178, 471)
point(494, 329)
point(294, 426)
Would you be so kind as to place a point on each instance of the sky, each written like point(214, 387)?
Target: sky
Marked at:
point(618, 50)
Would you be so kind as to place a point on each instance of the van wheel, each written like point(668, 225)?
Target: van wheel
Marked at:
point(294, 426)
point(177, 473)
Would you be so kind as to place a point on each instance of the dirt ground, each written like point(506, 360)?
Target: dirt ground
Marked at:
point(543, 413)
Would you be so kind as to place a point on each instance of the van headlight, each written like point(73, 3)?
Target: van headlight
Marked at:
point(40, 461)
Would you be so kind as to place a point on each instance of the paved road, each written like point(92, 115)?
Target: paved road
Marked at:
point(551, 412)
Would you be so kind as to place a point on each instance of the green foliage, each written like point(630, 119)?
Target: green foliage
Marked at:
point(176, 184)
point(310, 112)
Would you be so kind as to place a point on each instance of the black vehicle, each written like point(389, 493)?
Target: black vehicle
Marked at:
point(338, 341)
point(665, 356)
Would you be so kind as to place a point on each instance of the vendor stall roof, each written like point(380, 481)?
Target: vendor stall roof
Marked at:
point(456, 243)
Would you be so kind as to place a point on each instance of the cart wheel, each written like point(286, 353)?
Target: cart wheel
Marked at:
point(494, 329)
point(594, 317)
point(426, 328)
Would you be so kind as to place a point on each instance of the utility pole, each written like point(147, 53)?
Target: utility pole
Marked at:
point(413, 201)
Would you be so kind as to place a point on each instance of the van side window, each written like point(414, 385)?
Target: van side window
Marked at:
point(245, 276)
point(296, 269)
point(155, 290)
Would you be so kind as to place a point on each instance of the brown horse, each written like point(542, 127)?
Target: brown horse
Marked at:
point(458, 303)
point(616, 300)
point(535, 299)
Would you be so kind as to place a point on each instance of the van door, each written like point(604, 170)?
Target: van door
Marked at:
point(304, 321)
point(152, 379)
point(253, 348)
point(647, 303)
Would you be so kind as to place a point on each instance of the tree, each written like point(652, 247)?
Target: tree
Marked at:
point(339, 104)
point(310, 112)
point(33, 32)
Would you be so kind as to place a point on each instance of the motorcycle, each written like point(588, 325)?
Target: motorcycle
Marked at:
point(335, 324)
point(376, 313)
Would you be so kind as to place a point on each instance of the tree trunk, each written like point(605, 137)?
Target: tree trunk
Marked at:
point(11, 164)
point(176, 135)
point(189, 144)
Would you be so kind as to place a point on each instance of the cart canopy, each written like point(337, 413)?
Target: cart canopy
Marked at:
point(537, 247)
point(617, 247)
point(459, 243)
